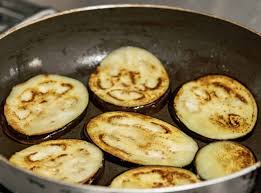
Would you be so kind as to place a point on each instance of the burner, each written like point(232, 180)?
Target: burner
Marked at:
point(13, 12)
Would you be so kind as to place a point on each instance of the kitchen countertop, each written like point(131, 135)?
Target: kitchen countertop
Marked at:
point(243, 12)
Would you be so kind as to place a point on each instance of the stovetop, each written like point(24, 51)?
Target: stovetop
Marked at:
point(13, 12)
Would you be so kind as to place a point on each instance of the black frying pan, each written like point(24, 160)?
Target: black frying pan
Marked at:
point(73, 43)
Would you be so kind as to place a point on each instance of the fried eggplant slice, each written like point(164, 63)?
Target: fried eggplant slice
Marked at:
point(68, 160)
point(222, 158)
point(130, 79)
point(44, 104)
point(154, 177)
point(141, 139)
point(215, 107)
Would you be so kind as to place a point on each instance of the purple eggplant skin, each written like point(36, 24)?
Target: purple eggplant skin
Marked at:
point(150, 108)
point(25, 139)
point(191, 133)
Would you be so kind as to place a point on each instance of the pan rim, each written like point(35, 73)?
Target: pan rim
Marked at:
point(112, 6)
point(107, 189)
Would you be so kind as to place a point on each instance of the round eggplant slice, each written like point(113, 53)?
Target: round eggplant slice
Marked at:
point(25, 139)
point(222, 158)
point(130, 79)
point(45, 104)
point(141, 139)
point(154, 177)
point(214, 107)
point(68, 160)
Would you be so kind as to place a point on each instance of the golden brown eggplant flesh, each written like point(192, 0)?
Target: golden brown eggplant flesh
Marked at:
point(25, 139)
point(154, 177)
point(141, 139)
point(68, 160)
point(214, 107)
point(222, 158)
point(130, 79)
point(44, 106)
point(150, 108)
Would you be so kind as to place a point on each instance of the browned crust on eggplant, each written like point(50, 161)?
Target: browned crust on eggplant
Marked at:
point(176, 119)
point(125, 160)
point(150, 108)
point(166, 173)
point(29, 94)
point(244, 158)
point(181, 125)
point(130, 79)
point(24, 139)
point(30, 164)
point(108, 156)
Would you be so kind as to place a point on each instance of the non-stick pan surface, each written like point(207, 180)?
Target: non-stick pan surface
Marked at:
point(188, 44)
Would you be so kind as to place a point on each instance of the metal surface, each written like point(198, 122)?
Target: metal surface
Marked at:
point(244, 12)
point(25, 182)
point(72, 44)
point(13, 12)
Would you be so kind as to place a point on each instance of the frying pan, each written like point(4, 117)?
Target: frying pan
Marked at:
point(73, 43)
